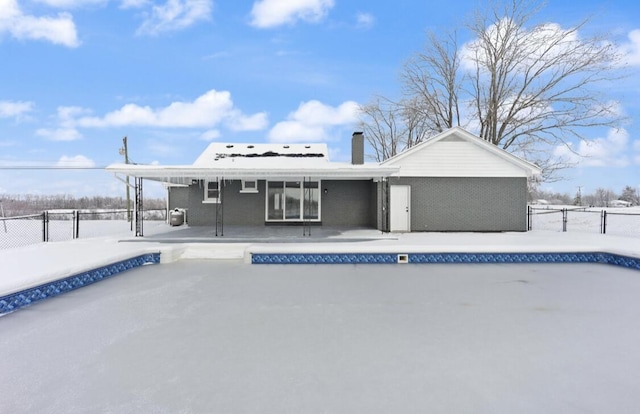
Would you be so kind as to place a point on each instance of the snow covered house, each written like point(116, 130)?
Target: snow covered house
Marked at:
point(451, 182)
point(619, 203)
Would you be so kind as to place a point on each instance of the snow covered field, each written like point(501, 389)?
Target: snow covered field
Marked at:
point(205, 337)
point(27, 231)
point(621, 221)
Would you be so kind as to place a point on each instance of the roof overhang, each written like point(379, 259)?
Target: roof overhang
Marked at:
point(184, 175)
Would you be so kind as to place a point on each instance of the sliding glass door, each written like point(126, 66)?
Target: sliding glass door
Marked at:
point(292, 197)
point(293, 200)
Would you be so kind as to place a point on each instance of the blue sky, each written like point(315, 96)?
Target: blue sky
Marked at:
point(174, 75)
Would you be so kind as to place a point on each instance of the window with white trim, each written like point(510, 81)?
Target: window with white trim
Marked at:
point(249, 186)
point(211, 192)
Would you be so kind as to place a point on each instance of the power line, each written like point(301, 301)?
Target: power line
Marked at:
point(36, 167)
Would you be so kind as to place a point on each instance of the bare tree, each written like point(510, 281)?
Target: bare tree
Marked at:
point(432, 81)
point(391, 127)
point(536, 85)
point(603, 196)
point(526, 87)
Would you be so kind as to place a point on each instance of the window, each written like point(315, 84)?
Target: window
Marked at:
point(249, 186)
point(211, 192)
point(293, 200)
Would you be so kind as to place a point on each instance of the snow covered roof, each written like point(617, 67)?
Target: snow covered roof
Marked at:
point(218, 155)
point(256, 161)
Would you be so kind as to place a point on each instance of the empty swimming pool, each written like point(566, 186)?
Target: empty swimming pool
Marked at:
point(202, 336)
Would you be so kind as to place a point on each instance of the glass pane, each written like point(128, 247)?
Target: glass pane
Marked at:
point(275, 204)
point(311, 202)
point(292, 200)
point(212, 189)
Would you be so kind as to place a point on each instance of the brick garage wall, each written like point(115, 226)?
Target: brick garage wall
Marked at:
point(467, 204)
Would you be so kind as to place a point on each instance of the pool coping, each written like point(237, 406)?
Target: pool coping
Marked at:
point(26, 297)
point(56, 281)
point(600, 257)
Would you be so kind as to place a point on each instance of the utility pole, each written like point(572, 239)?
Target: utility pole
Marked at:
point(125, 151)
point(578, 200)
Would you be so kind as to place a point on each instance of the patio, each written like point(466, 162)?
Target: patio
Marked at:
point(263, 234)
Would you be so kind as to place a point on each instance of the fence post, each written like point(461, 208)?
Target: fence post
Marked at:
point(528, 218)
point(604, 221)
point(45, 226)
point(76, 224)
point(564, 220)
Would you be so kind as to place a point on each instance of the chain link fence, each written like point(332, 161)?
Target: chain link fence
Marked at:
point(620, 223)
point(55, 226)
point(22, 230)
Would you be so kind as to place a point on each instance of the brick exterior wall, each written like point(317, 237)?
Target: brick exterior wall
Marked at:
point(467, 204)
point(238, 209)
point(347, 203)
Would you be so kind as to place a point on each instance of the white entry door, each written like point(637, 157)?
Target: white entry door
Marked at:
point(400, 214)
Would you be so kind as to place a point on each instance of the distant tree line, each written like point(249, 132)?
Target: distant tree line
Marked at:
point(26, 204)
point(601, 197)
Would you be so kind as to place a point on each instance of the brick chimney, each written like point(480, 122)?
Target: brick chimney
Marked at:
point(357, 148)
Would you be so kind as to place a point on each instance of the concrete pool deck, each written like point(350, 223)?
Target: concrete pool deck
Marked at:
point(33, 265)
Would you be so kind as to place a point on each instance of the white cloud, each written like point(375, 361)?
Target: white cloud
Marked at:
point(59, 30)
point(631, 50)
point(610, 151)
point(59, 134)
point(272, 13)
point(364, 20)
point(133, 4)
point(239, 122)
point(312, 120)
point(175, 15)
point(78, 161)
point(292, 131)
point(71, 4)
point(68, 114)
point(210, 135)
point(10, 109)
point(206, 111)
point(544, 42)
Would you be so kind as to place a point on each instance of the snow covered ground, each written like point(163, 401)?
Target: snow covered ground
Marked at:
point(35, 264)
point(621, 221)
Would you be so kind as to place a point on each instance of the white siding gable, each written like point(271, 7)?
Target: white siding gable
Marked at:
point(455, 155)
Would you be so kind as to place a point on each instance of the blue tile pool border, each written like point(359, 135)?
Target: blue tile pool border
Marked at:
point(14, 301)
point(376, 258)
